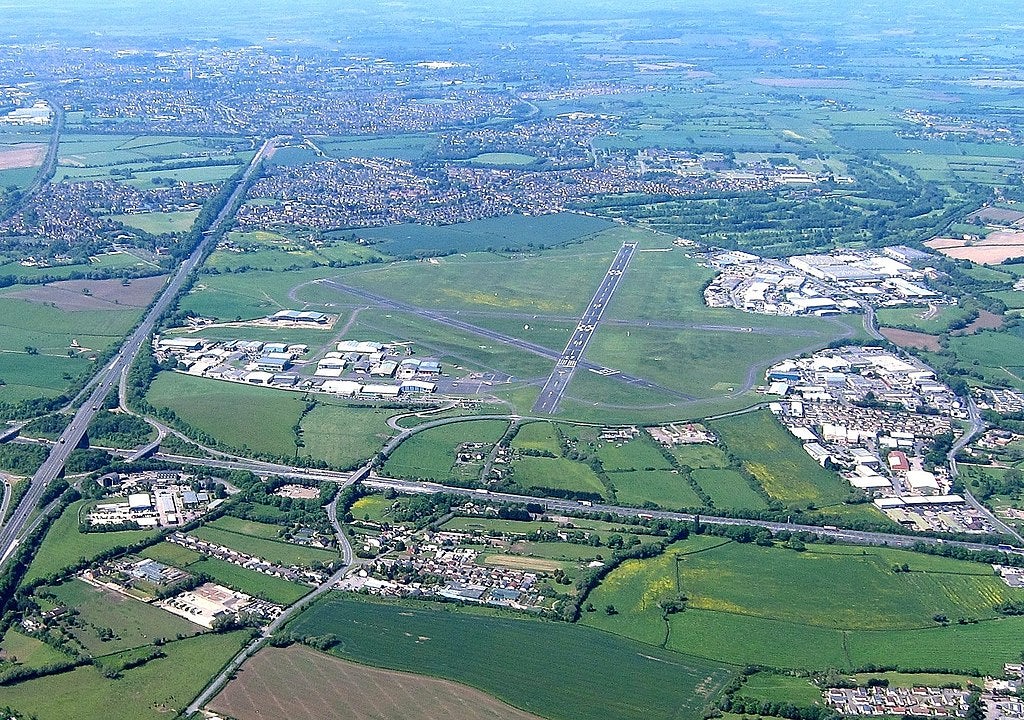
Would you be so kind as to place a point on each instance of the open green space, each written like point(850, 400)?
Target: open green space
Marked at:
point(922, 319)
point(37, 358)
point(996, 355)
point(770, 687)
point(159, 223)
point(834, 606)
point(64, 545)
point(535, 283)
point(557, 474)
point(246, 527)
point(18, 650)
point(698, 362)
point(275, 551)
point(640, 453)
point(342, 435)
point(665, 488)
point(772, 455)
point(515, 232)
point(431, 454)
point(338, 434)
point(150, 692)
point(279, 251)
point(728, 489)
point(247, 295)
point(374, 508)
point(131, 623)
point(530, 665)
point(504, 159)
point(171, 554)
point(700, 456)
point(537, 436)
point(215, 408)
point(106, 262)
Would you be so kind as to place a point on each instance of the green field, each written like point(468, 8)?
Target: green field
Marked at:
point(155, 691)
point(835, 606)
point(665, 488)
point(275, 551)
point(728, 489)
point(159, 223)
point(513, 231)
point(781, 688)
point(701, 363)
point(534, 283)
point(640, 453)
point(253, 294)
point(133, 622)
point(430, 454)
point(343, 436)
point(373, 508)
point(247, 527)
point(64, 545)
point(556, 473)
point(996, 355)
point(271, 251)
point(21, 650)
point(213, 407)
point(772, 455)
point(531, 665)
point(35, 340)
point(537, 436)
point(700, 456)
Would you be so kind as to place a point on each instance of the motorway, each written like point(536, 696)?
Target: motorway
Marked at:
point(106, 379)
point(572, 355)
point(855, 537)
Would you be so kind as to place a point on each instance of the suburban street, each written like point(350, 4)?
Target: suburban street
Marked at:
point(109, 376)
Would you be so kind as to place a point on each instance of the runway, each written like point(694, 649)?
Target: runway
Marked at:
point(572, 356)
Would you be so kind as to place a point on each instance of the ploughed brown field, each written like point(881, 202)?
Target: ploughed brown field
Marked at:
point(302, 684)
point(25, 155)
point(909, 338)
point(94, 294)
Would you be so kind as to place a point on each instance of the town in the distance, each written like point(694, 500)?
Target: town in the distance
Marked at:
point(561, 361)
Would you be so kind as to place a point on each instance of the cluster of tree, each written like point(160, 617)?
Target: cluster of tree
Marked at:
point(1010, 607)
point(769, 708)
point(989, 557)
point(88, 460)
point(119, 429)
point(47, 426)
point(22, 459)
point(1010, 484)
point(423, 510)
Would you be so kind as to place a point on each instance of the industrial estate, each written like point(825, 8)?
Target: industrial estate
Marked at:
point(573, 362)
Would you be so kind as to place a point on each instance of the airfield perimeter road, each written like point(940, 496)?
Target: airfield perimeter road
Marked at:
point(108, 377)
point(572, 355)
